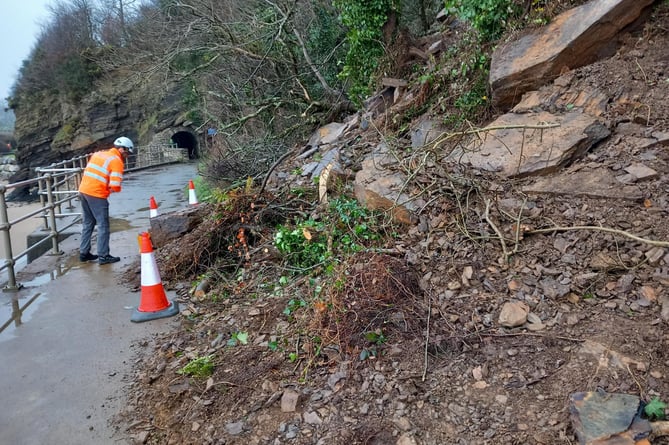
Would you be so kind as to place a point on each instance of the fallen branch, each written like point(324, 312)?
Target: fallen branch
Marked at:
point(533, 334)
point(541, 126)
point(660, 428)
point(201, 290)
point(601, 229)
point(507, 254)
point(427, 341)
point(271, 169)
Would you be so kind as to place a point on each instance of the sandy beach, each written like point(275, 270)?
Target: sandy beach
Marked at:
point(20, 231)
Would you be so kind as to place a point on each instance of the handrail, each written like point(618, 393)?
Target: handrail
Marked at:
point(57, 185)
point(48, 210)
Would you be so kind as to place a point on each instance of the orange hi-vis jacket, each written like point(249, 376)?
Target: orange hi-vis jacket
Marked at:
point(103, 174)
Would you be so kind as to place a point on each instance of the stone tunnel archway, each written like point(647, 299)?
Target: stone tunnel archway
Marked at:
point(186, 139)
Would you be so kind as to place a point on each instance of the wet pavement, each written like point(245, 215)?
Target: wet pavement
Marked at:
point(64, 363)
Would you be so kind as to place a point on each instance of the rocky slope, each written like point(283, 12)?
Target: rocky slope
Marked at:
point(505, 298)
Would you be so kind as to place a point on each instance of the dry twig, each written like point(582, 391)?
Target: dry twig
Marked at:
point(427, 340)
point(602, 229)
point(499, 233)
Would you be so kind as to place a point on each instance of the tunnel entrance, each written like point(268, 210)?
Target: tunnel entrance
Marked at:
point(185, 139)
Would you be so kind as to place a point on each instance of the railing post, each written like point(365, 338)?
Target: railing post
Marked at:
point(54, 186)
point(69, 182)
point(7, 240)
point(41, 190)
point(52, 215)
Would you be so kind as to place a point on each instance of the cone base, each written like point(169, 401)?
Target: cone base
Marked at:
point(140, 316)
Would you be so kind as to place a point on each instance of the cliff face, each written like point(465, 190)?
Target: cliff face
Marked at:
point(51, 129)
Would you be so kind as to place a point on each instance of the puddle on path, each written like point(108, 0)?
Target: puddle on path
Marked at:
point(17, 308)
point(169, 186)
point(119, 225)
point(16, 312)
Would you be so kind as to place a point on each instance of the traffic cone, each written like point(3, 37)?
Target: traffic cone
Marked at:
point(192, 197)
point(153, 301)
point(153, 208)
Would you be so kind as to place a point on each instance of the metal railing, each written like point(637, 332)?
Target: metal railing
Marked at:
point(51, 185)
point(58, 186)
point(152, 155)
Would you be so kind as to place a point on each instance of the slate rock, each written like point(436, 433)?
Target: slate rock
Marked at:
point(606, 418)
point(573, 39)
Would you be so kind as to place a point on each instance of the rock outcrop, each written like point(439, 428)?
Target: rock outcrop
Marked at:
point(52, 129)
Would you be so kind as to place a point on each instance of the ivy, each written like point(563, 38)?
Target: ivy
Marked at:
point(323, 39)
point(488, 17)
point(364, 20)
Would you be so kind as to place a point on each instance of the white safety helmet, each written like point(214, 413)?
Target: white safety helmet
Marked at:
point(125, 143)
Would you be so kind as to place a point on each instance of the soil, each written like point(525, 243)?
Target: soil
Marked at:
point(438, 367)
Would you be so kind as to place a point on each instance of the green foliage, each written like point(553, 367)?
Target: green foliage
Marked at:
point(191, 103)
point(537, 12)
point(345, 228)
point(354, 224)
point(468, 78)
point(238, 337)
point(293, 305)
point(471, 101)
point(655, 409)
point(200, 367)
point(187, 61)
point(75, 75)
point(65, 134)
point(71, 76)
point(364, 20)
point(323, 45)
point(488, 17)
point(305, 245)
point(376, 338)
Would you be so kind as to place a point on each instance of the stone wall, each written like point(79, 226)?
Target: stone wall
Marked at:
point(8, 167)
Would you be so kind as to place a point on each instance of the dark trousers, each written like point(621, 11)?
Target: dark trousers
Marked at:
point(95, 211)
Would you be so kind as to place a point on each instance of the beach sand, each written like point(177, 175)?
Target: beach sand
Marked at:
point(19, 232)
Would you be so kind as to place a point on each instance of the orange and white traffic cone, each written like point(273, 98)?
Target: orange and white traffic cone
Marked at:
point(153, 301)
point(192, 197)
point(153, 208)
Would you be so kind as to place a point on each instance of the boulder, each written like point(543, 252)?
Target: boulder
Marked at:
point(426, 132)
point(379, 187)
point(170, 226)
point(327, 134)
point(598, 183)
point(575, 38)
point(516, 148)
point(564, 94)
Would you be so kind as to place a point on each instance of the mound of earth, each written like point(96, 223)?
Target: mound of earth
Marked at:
point(416, 351)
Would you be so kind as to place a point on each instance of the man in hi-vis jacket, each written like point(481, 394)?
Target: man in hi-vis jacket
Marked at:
point(103, 176)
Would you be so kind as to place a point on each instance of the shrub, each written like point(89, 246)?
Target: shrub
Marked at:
point(346, 228)
point(364, 20)
point(488, 17)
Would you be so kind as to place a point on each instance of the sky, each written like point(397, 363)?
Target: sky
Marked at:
point(21, 23)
